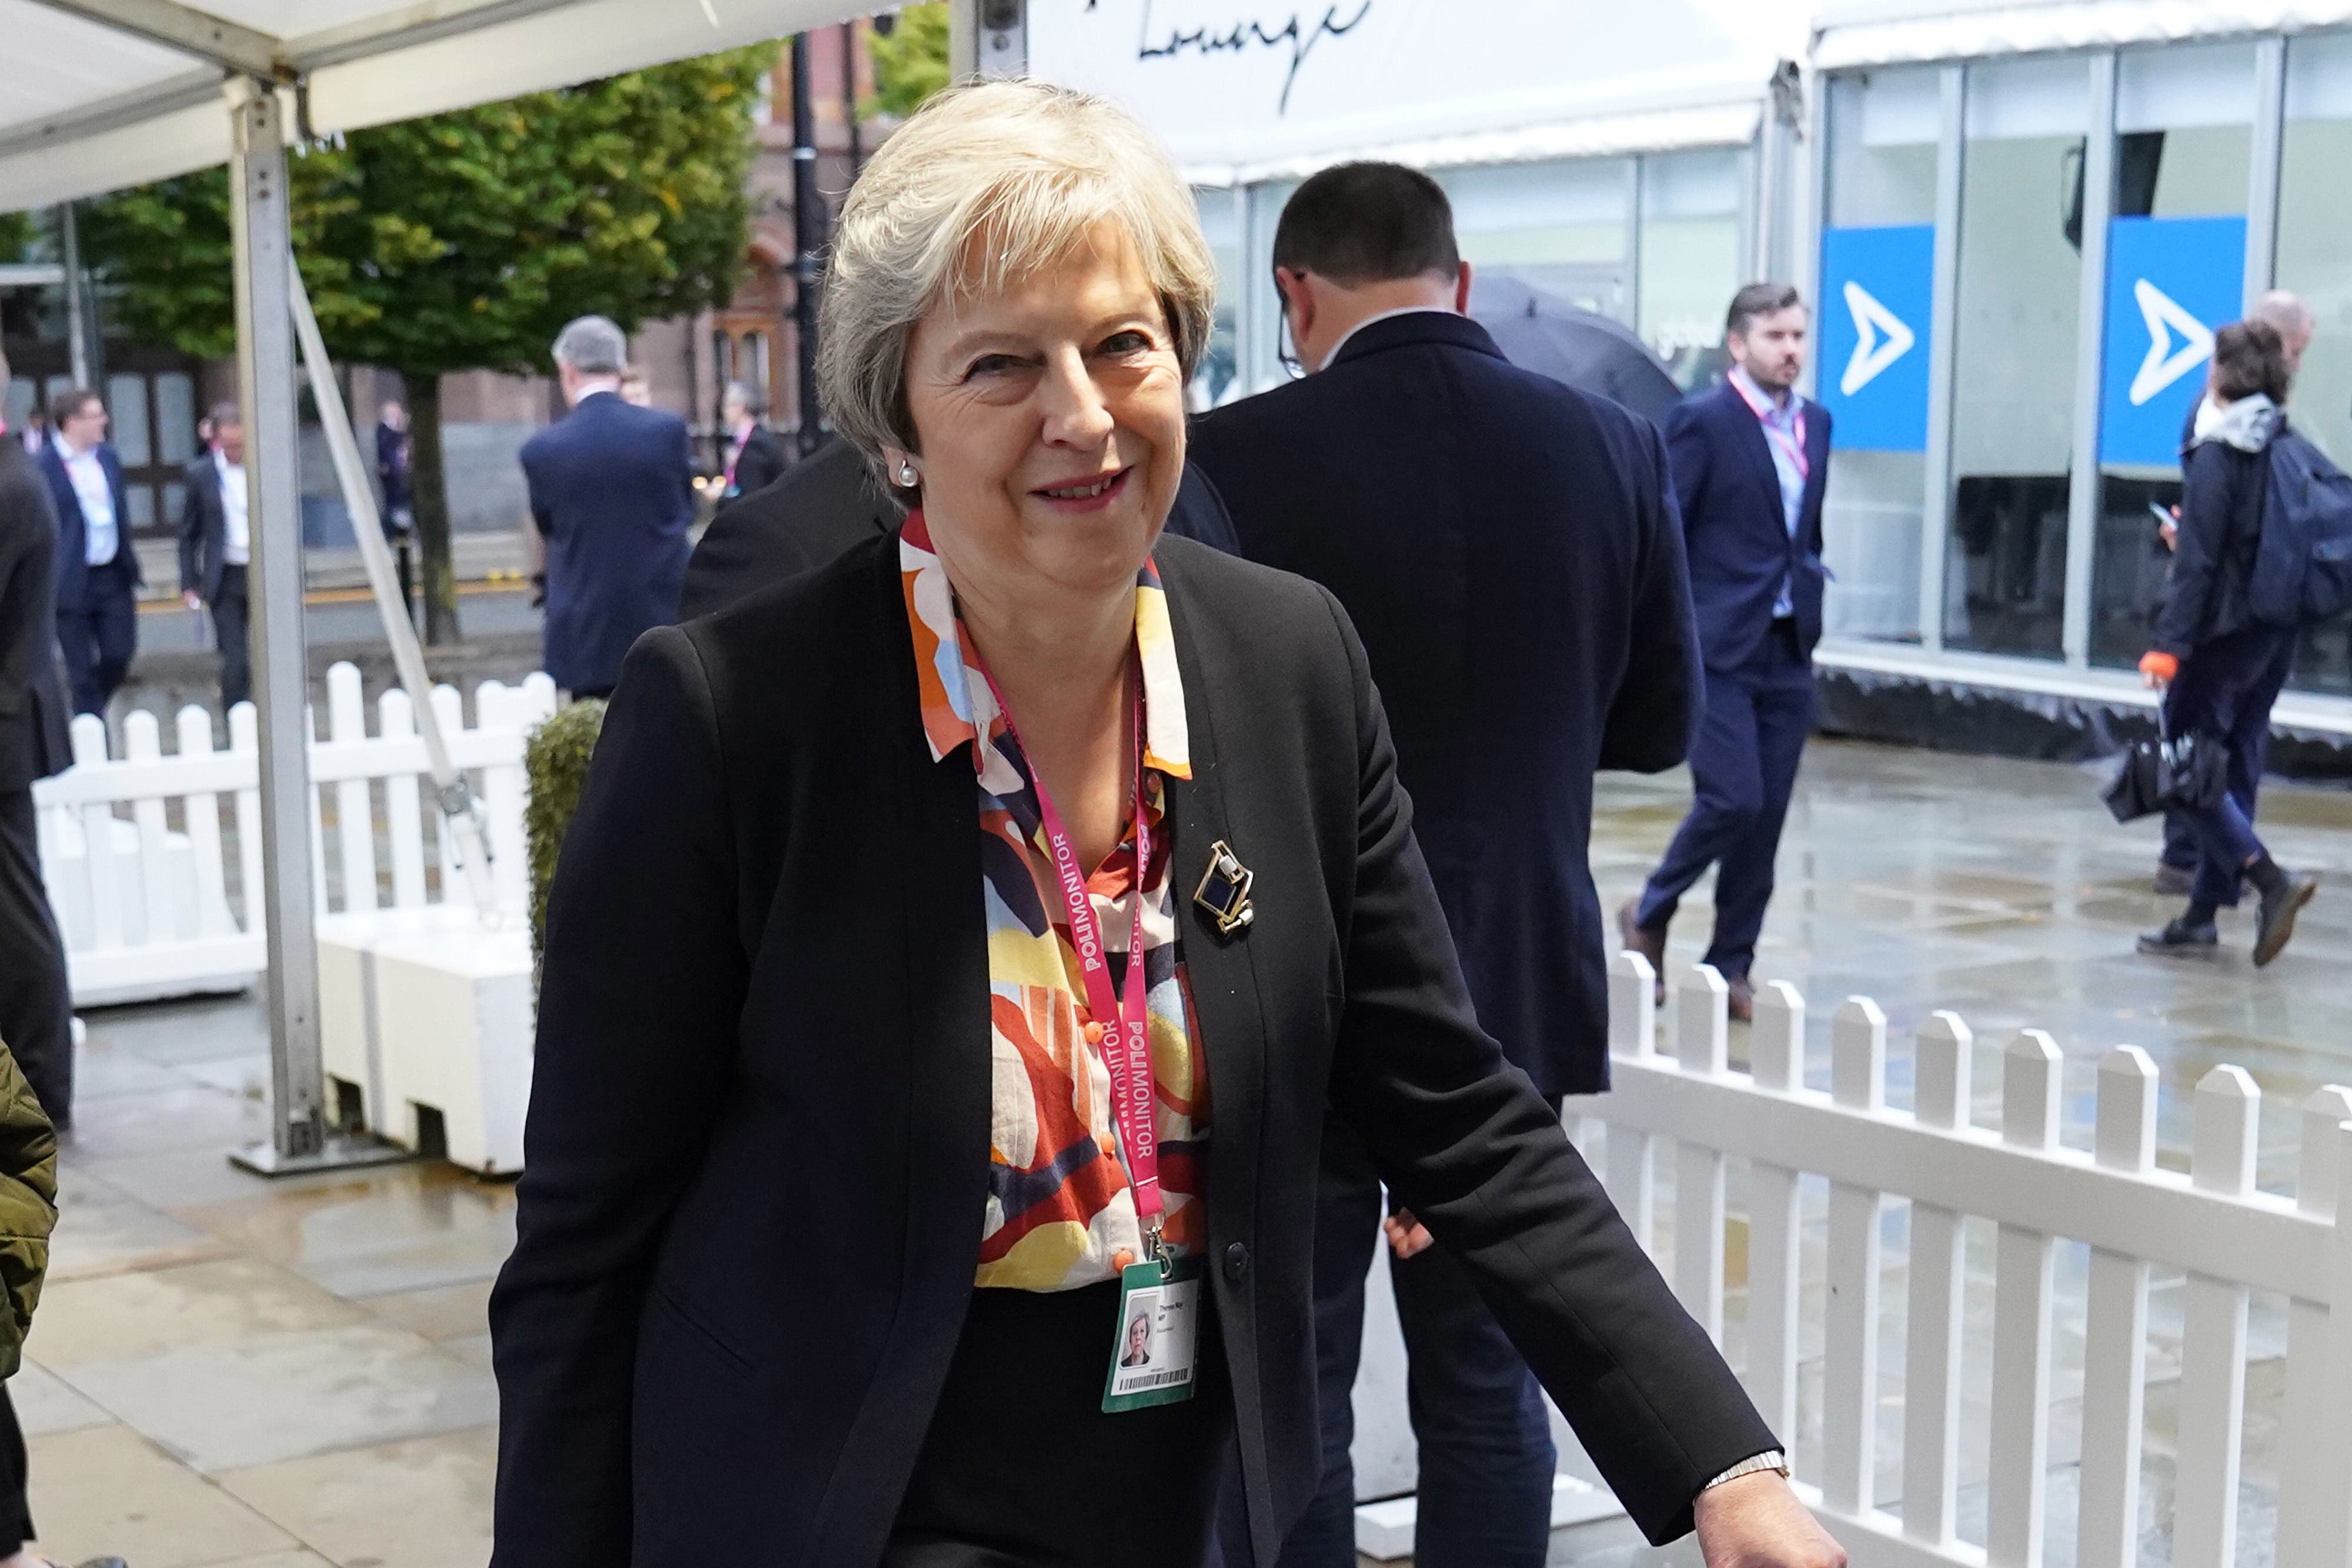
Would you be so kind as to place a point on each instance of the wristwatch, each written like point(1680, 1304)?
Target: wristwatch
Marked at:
point(1769, 1460)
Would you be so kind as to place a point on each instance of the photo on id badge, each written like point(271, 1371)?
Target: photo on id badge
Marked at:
point(1152, 1359)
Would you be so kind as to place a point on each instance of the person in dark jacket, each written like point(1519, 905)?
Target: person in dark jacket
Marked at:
point(97, 570)
point(36, 999)
point(755, 458)
point(1750, 462)
point(612, 492)
point(1507, 546)
point(2220, 668)
point(832, 1223)
point(216, 549)
point(828, 502)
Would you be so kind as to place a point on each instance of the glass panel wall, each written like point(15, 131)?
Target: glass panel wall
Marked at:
point(1259, 209)
point(1692, 256)
point(1218, 380)
point(2176, 269)
point(2314, 260)
point(1883, 131)
point(1559, 229)
point(2014, 354)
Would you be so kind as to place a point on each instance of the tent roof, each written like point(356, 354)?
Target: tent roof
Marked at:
point(101, 94)
point(1858, 33)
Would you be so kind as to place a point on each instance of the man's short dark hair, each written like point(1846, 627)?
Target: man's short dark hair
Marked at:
point(1368, 223)
point(1758, 300)
point(2249, 357)
point(66, 405)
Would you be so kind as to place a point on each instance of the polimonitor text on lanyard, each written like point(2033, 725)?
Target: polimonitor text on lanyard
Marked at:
point(1152, 1352)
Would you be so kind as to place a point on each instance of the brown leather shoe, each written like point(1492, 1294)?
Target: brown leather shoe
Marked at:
point(1742, 1003)
point(1637, 938)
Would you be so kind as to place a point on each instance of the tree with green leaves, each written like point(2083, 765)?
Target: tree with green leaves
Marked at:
point(465, 241)
point(911, 61)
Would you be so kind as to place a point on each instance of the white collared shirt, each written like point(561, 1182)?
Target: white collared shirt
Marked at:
point(237, 529)
point(1381, 316)
point(101, 537)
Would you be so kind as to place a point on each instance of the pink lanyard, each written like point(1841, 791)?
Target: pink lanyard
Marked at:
point(1125, 1024)
point(1773, 433)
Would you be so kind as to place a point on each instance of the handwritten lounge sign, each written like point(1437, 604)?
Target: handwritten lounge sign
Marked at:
point(1252, 84)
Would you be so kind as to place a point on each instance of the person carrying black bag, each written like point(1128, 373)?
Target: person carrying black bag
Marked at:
point(2220, 667)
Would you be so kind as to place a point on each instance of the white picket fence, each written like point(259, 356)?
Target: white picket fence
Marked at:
point(153, 859)
point(2212, 1224)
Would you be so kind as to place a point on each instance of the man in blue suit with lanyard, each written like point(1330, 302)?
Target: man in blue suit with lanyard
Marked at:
point(1749, 459)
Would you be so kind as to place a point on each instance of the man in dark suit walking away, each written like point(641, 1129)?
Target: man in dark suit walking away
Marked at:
point(1508, 550)
point(1751, 458)
point(612, 490)
point(98, 572)
point(36, 1001)
point(216, 547)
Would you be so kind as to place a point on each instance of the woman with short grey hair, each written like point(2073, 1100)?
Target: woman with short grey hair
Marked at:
point(953, 958)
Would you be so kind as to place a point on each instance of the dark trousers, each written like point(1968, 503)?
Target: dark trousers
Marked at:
point(2225, 688)
point(1483, 1499)
point(15, 1513)
point(35, 1002)
point(99, 634)
point(232, 613)
point(1743, 770)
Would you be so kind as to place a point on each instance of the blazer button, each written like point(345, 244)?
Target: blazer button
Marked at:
point(1237, 1260)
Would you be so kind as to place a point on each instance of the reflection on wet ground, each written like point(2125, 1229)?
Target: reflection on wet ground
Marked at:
point(233, 1374)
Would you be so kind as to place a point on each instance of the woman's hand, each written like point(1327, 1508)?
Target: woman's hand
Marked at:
point(2156, 669)
point(1756, 1521)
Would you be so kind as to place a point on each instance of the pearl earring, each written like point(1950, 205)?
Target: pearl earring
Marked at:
point(906, 474)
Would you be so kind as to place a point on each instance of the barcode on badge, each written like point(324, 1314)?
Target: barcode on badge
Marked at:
point(1153, 1380)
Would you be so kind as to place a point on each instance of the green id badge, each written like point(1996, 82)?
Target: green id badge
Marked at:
point(1152, 1359)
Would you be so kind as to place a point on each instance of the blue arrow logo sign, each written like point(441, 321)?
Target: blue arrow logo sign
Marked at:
point(2171, 282)
point(1876, 284)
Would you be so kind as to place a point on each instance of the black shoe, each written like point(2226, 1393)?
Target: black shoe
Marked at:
point(2180, 937)
point(1740, 1005)
point(2275, 923)
point(1637, 938)
point(2174, 881)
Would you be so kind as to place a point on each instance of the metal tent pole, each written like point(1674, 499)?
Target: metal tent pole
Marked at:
point(263, 265)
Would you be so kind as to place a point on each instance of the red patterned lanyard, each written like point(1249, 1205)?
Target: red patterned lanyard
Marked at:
point(1124, 1022)
point(1763, 411)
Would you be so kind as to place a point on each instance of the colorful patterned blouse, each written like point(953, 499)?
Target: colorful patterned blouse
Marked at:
point(1061, 1211)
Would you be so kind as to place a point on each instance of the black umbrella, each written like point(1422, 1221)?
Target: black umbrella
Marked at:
point(1589, 351)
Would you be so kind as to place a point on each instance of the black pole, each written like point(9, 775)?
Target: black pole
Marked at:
point(808, 237)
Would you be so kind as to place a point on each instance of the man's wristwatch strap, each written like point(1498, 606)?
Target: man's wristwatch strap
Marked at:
point(1769, 1460)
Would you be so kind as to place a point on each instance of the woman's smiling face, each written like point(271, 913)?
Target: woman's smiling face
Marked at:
point(1051, 414)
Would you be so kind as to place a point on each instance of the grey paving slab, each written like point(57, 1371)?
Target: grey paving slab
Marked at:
point(289, 1396)
point(44, 1404)
point(101, 1229)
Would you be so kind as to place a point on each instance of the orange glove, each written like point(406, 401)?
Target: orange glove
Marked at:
point(2159, 668)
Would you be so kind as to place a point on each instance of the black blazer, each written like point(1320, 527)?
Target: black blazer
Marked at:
point(758, 1139)
point(827, 502)
point(1507, 547)
point(611, 489)
point(1737, 530)
point(203, 529)
point(73, 532)
point(2223, 492)
point(34, 711)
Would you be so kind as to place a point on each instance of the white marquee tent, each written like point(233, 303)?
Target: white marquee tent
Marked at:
point(100, 94)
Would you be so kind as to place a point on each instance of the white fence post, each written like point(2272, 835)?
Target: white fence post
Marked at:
point(2311, 1488)
point(402, 808)
point(1632, 1180)
point(2334, 1459)
point(1776, 1049)
point(203, 807)
point(1849, 1378)
point(2024, 1270)
point(2213, 1337)
point(1942, 1071)
point(1702, 1047)
point(2115, 1331)
point(354, 818)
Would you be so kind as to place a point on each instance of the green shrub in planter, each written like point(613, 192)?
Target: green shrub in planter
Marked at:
point(556, 760)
